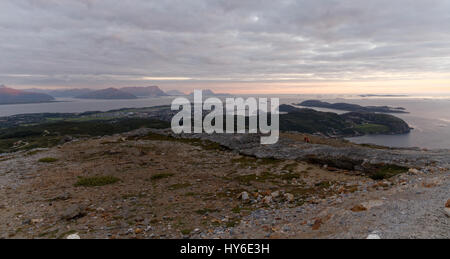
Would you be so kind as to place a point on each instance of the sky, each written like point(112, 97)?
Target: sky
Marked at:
point(234, 46)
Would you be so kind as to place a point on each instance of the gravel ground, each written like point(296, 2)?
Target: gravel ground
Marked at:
point(414, 209)
point(199, 198)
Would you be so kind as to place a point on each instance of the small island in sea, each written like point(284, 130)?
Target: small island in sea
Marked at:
point(340, 125)
point(383, 95)
point(352, 107)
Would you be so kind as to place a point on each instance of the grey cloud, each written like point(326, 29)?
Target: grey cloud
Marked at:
point(95, 43)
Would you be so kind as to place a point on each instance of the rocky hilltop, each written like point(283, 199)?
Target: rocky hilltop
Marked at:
point(125, 174)
point(151, 184)
point(336, 153)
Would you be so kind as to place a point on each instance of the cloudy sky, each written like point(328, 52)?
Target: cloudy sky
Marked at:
point(286, 46)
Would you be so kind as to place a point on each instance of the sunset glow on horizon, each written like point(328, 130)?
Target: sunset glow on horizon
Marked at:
point(251, 47)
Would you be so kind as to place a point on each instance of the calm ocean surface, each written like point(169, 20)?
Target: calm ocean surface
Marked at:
point(429, 116)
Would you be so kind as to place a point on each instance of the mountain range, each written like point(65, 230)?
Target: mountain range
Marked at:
point(208, 92)
point(14, 96)
point(107, 94)
point(149, 91)
point(11, 96)
point(175, 93)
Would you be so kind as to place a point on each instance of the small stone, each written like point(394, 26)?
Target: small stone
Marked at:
point(244, 196)
point(413, 171)
point(372, 203)
point(317, 224)
point(64, 197)
point(138, 231)
point(289, 197)
point(72, 212)
point(447, 205)
point(275, 194)
point(358, 208)
point(73, 236)
point(373, 236)
point(267, 199)
point(35, 221)
point(447, 212)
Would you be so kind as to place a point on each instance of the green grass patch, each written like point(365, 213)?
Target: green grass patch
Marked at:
point(96, 181)
point(290, 167)
point(233, 223)
point(48, 160)
point(179, 186)
point(204, 144)
point(186, 231)
point(33, 152)
point(324, 184)
point(36, 136)
point(247, 179)
point(371, 128)
point(239, 209)
point(206, 211)
point(161, 176)
point(388, 171)
point(290, 176)
point(49, 234)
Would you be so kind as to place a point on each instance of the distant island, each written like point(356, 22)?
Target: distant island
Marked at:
point(383, 95)
point(112, 93)
point(208, 92)
point(293, 119)
point(352, 107)
point(107, 94)
point(340, 125)
point(145, 91)
point(149, 91)
point(175, 93)
point(61, 93)
point(14, 96)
